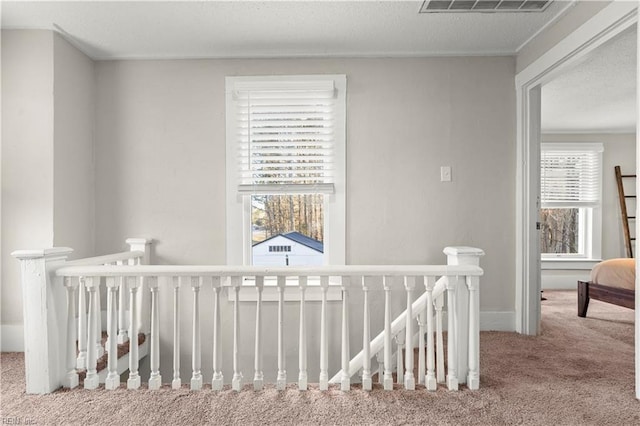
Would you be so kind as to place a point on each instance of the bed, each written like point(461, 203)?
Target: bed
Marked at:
point(611, 281)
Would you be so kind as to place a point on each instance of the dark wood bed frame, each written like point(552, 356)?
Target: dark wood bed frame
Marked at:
point(617, 296)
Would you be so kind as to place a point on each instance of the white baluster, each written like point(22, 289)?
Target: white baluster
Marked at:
point(123, 330)
point(99, 347)
point(380, 359)
point(388, 377)
point(345, 380)
point(217, 382)
point(123, 336)
point(439, 304)
point(409, 379)
point(82, 325)
point(302, 341)
point(107, 344)
point(399, 358)
point(134, 377)
point(155, 380)
point(91, 380)
point(71, 381)
point(258, 377)
point(422, 322)
point(113, 379)
point(452, 336)
point(236, 381)
point(281, 380)
point(324, 374)
point(430, 380)
point(366, 340)
point(196, 376)
point(473, 377)
point(176, 383)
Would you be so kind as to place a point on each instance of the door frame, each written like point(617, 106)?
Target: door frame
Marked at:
point(608, 23)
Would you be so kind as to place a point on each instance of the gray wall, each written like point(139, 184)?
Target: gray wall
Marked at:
point(157, 142)
point(27, 153)
point(47, 157)
point(74, 107)
point(160, 173)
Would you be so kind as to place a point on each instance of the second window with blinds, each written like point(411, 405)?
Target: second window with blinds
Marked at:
point(285, 138)
point(571, 212)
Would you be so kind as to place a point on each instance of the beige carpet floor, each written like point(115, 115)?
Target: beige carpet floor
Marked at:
point(580, 371)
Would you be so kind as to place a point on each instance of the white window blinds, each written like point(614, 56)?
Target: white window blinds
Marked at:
point(570, 175)
point(285, 132)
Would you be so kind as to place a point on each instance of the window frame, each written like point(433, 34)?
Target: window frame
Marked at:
point(238, 205)
point(590, 220)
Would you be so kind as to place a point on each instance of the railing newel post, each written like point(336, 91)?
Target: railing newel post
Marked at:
point(473, 378)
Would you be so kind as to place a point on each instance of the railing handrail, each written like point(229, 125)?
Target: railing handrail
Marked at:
point(258, 271)
point(105, 259)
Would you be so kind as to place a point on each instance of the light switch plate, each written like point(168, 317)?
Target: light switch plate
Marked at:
point(445, 174)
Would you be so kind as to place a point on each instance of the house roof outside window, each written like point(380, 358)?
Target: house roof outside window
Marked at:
point(300, 239)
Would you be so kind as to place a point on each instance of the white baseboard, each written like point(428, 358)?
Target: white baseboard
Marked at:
point(498, 321)
point(562, 279)
point(12, 338)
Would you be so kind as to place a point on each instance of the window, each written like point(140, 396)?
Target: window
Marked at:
point(285, 165)
point(570, 189)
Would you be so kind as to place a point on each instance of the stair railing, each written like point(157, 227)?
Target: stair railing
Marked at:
point(168, 279)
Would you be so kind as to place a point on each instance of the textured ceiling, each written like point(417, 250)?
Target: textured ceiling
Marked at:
point(214, 29)
point(595, 96)
point(598, 94)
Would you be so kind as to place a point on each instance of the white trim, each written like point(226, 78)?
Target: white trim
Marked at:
point(565, 264)
point(238, 207)
point(612, 20)
point(555, 19)
point(12, 338)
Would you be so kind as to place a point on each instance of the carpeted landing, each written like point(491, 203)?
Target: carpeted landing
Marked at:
point(579, 371)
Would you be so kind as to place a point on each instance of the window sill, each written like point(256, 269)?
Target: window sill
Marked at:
point(568, 264)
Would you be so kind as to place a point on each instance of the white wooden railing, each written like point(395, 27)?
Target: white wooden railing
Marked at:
point(45, 273)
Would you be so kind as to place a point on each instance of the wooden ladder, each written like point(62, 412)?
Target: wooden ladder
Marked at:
point(623, 210)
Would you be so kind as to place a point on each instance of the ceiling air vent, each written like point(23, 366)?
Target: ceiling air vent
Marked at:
point(483, 6)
